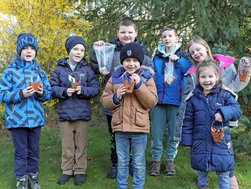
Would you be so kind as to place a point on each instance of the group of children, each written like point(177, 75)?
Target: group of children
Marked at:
point(190, 93)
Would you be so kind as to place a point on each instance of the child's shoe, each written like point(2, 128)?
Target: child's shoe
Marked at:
point(234, 183)
point(112, 173)
point(63, 179)
point(33, 181)
point(170, 168)
point(203, 187)
point(80, 179)
point(155, 168)
point(22, 182)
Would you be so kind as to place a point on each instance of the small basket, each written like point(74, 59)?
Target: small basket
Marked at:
point(129, 86)
point(35, 85)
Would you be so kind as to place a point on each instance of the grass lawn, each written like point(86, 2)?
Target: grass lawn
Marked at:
point(98, 162)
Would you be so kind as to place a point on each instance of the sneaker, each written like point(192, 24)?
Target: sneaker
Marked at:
point(33, 181)
point(170, 168)
point(112, 172)
point(234, 183)
point(80, 179)
point(155, 168)
point(131, 169)
point(22, 183)
point(63, 179)
point(203, 187)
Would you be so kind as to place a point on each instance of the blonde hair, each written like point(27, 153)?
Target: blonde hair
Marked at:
point(199, 40)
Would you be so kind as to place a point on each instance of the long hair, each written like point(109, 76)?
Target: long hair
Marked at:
point(199, 40)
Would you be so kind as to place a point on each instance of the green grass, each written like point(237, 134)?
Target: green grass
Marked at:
point(98, 162)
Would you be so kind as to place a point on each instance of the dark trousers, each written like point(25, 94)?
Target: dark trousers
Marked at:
point(26, 144)
point(114, 158)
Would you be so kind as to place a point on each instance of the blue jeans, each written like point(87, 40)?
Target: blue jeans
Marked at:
point(162, 116)
point(138, 142)
point(26, 144)
point(223, 179)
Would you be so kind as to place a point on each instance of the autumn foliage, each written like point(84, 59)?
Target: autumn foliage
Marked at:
point(50, 21)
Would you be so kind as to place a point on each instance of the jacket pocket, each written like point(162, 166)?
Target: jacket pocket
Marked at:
point(116, 117)
point(142, 118)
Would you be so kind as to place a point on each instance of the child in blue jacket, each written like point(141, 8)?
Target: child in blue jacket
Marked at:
point(170, 63)
point(210, 108)
point(74, 84)
point(24, 112)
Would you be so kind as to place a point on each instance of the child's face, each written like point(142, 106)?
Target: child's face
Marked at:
point(28, 53)
point(169, 38)
point(208, 78)
point(127, 34)
point(198, 52)
point(77, 53)
point(131, 65)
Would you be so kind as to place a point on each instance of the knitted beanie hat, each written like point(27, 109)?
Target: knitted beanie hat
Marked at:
point(24, 40)
point(132, 50)
point(72, 41)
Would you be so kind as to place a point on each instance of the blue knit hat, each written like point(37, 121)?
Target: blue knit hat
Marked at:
point(24, 40)
point(72, 41)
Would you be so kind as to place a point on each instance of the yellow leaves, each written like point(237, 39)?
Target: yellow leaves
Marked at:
point(51, 21)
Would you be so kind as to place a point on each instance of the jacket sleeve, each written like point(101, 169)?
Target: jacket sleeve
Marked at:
point(94, 62)
point(147, 58)
point(56, 89)
point(235, 85)
point(107, 97)
point(147, 94)
point(231, 111)
point(92, 89)
point(184, 64)
point(188, 123)
point(46, 87)
point(7, 94)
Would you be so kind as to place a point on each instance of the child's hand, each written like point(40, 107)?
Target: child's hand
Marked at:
point(218, 117)
point(27, 92)
point(70, 91)
point(78, 89)
point(99, 43)
point(40, 88)
point(173, 57)
point(245, 61)
point(136, 77)
point(121, 91)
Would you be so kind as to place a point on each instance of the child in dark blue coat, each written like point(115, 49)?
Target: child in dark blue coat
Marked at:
point(74, 84)
point(210, 108)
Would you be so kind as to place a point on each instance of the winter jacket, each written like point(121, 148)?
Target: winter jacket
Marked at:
point(170, 94)
point(229, 77)
point(20, 111)
point(116, 62)
point(75, 107)
point(207, 155)
point(131, 114)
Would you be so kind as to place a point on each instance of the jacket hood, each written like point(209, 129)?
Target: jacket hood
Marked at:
point(19, 62)
point(162, 50)
point(64, 62)
point(119, 44)
point(145, 73)
point(224, 62)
